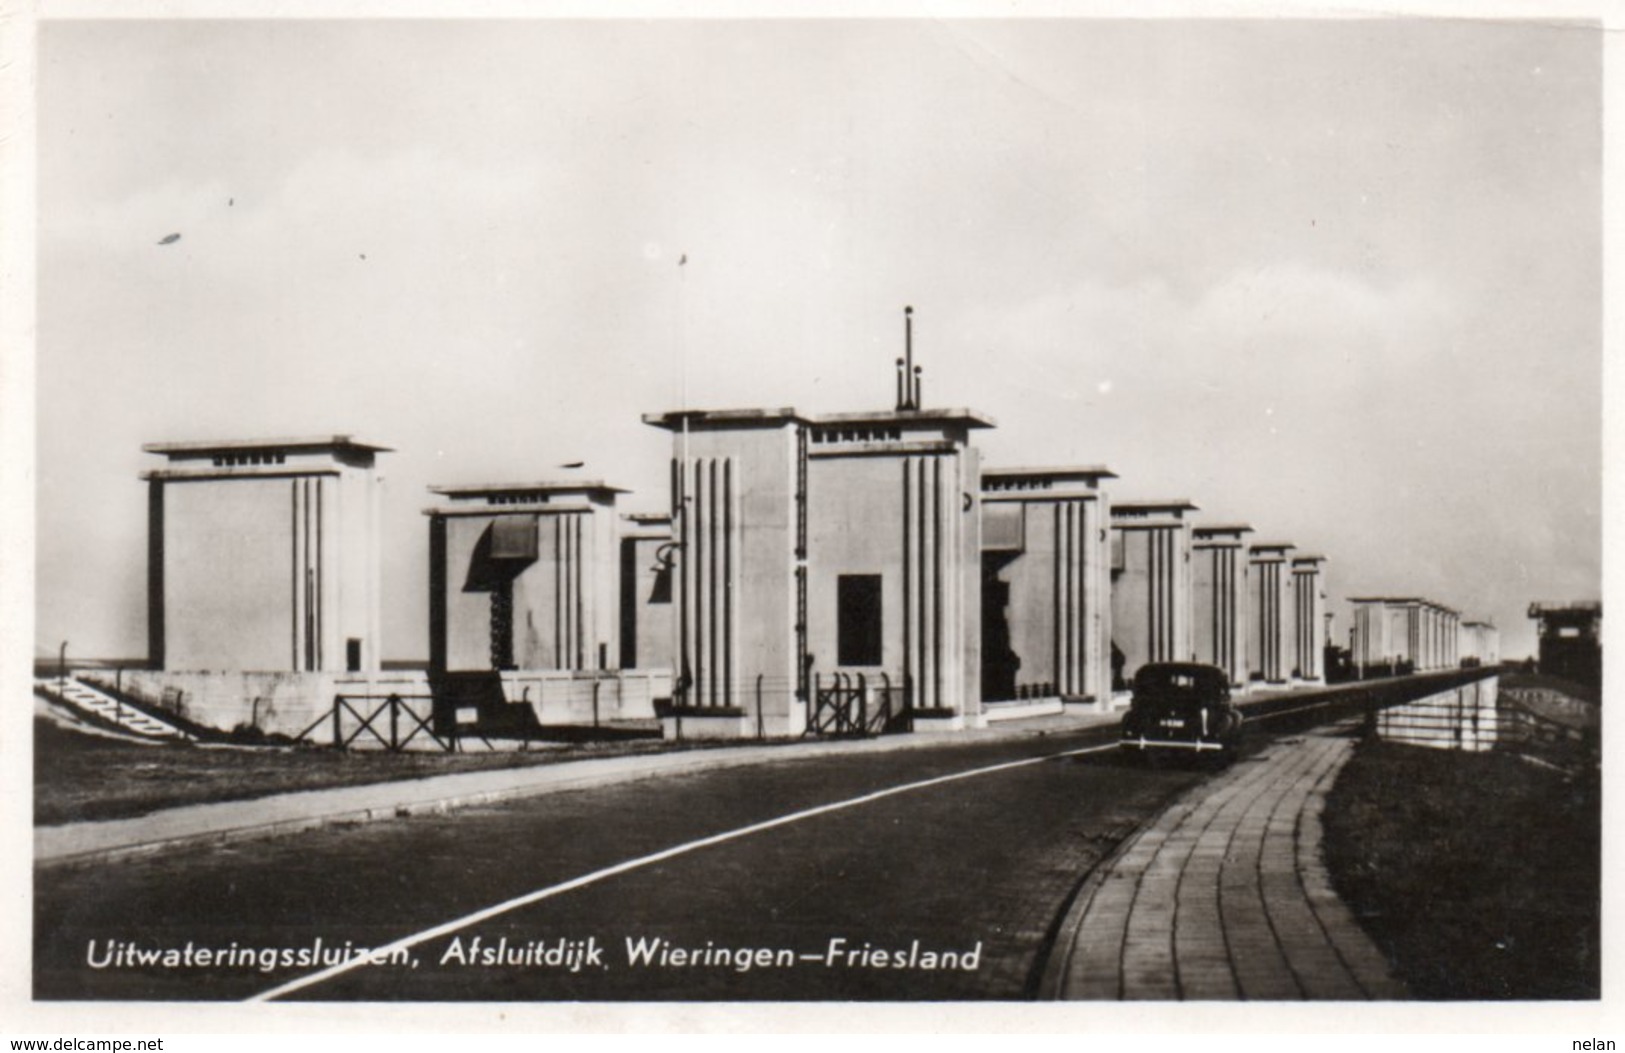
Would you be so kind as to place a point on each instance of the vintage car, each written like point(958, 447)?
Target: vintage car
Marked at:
point(1182, 706)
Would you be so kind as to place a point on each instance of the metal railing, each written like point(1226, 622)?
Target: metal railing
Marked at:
point(847, 707)
point(392, 724)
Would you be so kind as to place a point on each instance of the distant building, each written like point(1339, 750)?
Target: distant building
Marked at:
point(1220, 590)
point(1151, 585)
point(1404, 634)
point(1570, 640)
point(263, 556)
point(1479, 644)
point(1046, 588)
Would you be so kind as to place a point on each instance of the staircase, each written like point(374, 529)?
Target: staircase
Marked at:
point(81, 696)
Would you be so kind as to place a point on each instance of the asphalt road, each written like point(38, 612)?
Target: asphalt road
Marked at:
point(915, 874)
point(979, 866)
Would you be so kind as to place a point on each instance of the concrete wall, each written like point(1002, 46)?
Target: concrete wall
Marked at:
point(649, 605)
point(289, 703)
point(1057, 612)
point(229, 575)
point(1371, 645)
point(587, 698)
point(357, 601)
point(564, 603)
point(277, 703)
point(1151, 597)
point(1270, 649)
point(257, 570)
point(903, 518)
point(735, 523)
point(1308, 621)
point(468, 611)
point(1219, 607)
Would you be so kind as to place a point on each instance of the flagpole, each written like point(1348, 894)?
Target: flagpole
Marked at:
point(682, 670)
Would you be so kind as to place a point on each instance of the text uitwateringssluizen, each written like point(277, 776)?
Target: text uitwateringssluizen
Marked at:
point(562, 953)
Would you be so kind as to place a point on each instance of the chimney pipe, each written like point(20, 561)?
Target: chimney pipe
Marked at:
point(909, 401)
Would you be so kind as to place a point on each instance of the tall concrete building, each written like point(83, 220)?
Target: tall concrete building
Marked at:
point(1219, 597)
point(1270, 645)
point(1151, 585)
point(263, 556)
point(813, 546)
point(1046, 588)
point(826, 566)
point(524, 576)
point(1309, 618)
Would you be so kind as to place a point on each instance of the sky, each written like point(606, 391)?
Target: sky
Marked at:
point(1341, 280)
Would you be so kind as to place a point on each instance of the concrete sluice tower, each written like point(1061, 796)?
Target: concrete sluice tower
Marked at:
point(263, 556)
point(1220, 597)
point(812, 551)
point(1270, 643)
point(1046, 601)
point(1151, 585)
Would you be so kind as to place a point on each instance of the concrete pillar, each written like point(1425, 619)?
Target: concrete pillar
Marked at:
point(1219, 598)
point(1270, 631)
point(1309, 615)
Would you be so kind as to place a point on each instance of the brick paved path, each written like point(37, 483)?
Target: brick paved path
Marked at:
point(1224, 896)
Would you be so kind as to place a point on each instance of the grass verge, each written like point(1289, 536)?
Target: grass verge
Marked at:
point(83, 777)
point(1478, 874)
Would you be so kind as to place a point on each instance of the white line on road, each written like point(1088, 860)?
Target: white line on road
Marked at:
point(458, 924)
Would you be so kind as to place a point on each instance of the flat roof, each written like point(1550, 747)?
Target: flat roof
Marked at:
point(1173, 504)
point(655, 518)
point(1561, 606)
point(674, 419)
point(1309, 557)
point(551, 486)
point(956, 415)
point(307, 442)
point(1223, 528)
point(1407, 600)
point(540, 508)
point(1084, 471)
point(1272, 546)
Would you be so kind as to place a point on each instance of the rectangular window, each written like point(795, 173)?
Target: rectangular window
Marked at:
point(352, 655)
point(858, 620)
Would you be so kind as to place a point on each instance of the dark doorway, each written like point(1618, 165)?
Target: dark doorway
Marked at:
point(352, 655)
point(1000, 663)
point(858, 620)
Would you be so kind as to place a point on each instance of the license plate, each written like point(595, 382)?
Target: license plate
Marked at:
point(1172, 722)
